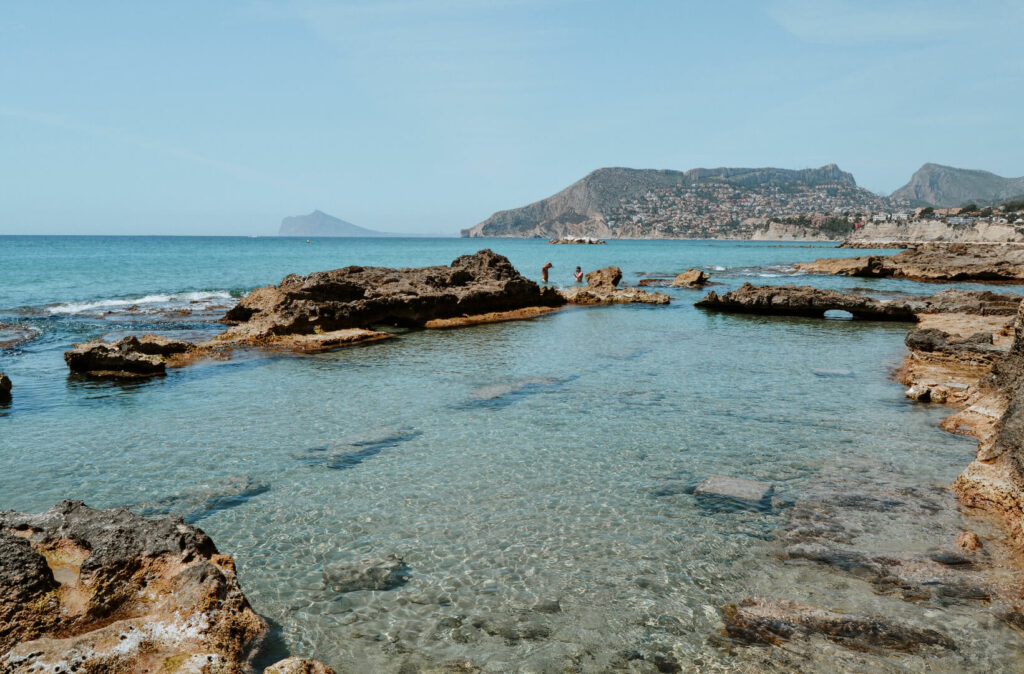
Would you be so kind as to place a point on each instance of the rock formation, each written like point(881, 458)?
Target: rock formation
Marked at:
point(602, 288)
point(803, 301)
point(947, 187)
point(691, 278)
point(128, 357)
point(365, 296)
point(762, 620)
point(932, 262)
point(84, 590)
point(95, 590)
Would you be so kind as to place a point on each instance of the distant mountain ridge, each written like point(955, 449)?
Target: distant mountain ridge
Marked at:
point(319, 223)
point(947, 187)
point(699, 203)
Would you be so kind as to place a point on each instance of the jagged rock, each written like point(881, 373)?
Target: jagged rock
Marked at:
point(932, 262)
point(762, 620)
point(735, 491)
point(802, 301)
point(935, 340)
point(364, 296)
point(691, 278)
point(298, 666)
point(368, 574)
point(106, 590)
point(602, 288)
point(127, 356)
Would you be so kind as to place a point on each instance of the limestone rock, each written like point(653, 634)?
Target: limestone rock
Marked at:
point(298, 666)
point(691, 278)
point(129, 356)
point(602, 288)
point(802, 301)
point(106, 590)
point(932, 262)
point(762, 620)
point(359, 297)
point(968, 541)
point(368, 574)
point(723, 489)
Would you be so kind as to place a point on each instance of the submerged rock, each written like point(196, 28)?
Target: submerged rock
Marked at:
point(193, 505)
point(106, 590)
point(691, 278)
point(367, 574)
point(602, 288)
point(732, 492)
point(364, 296)
point(763, 620)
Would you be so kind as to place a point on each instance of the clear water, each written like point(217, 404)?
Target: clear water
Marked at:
point(507, 464)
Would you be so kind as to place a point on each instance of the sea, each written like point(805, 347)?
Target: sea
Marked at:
point(536, 479)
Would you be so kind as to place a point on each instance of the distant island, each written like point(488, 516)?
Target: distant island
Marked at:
point(319, 223)
point(742, 203)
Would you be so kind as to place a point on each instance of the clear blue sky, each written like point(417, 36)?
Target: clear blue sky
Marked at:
point(222, 117)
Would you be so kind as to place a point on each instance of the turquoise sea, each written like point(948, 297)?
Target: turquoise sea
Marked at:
point(510, 466)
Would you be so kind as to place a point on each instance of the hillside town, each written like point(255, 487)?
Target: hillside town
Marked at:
point(724, 210)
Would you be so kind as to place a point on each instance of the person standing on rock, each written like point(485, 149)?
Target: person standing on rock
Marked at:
point(578, 275)
point(544, 271)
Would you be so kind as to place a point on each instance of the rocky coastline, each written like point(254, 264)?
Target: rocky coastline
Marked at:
point(983, 263)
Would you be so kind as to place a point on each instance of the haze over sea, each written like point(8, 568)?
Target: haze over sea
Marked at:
point(510, 465)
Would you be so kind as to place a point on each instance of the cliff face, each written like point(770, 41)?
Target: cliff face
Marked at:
point(319, 223)
point(935, 230)
point(948, 187)
point(645, 203)
point(995, 479)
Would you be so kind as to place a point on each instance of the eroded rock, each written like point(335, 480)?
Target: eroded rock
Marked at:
point(602, 288)
point(691, 278)
point(764, 620)
point(359, 297)
point(803, 301)
point(106, 590)
point(932, 262)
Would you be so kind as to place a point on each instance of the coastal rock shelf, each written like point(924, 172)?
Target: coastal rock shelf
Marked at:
point(932, 262)
point(815, 302)
point(360, 297)
point(105, 590)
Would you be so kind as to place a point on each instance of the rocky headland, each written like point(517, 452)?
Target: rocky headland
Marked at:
point(85, 590)
point(932, 262)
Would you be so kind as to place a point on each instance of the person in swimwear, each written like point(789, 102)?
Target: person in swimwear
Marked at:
point(578, 275)
point(544, 271)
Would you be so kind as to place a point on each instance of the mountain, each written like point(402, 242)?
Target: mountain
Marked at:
point(319, 223)
point(947, 187)
point(699, 203)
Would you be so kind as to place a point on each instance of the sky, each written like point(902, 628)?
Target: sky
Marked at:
point(426, 116)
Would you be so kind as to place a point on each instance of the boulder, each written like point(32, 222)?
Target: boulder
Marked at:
point(732, 492)
point(128, 357)
point(106, 590)
point(691, 278)
point(762, 620)
point(606, 277)
point(359, 297)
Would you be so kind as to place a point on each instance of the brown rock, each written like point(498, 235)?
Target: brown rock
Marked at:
point(606, 277)
point(802, 301)
point(364, 296)
point(127, 357)
point(968, 541)
point(691, 278)
point(106, 590)
point(932, 262)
